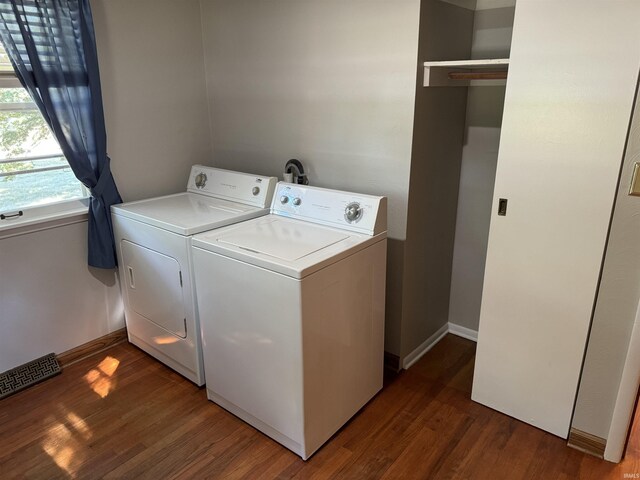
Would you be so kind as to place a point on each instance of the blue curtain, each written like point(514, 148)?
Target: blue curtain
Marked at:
point(52, 47)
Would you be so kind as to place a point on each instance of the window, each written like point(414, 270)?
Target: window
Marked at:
point(33, 171)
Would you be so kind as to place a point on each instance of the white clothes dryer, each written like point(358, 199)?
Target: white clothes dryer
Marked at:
point(153, 239)
point(292, 313)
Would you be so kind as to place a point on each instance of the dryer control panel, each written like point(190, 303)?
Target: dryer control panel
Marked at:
point(233, 186)
point(350, 211)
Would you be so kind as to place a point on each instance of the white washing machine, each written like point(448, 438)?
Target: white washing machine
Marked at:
point(153, 239)
point(292, 313)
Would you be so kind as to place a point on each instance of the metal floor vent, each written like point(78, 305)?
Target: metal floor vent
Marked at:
point(28, 374)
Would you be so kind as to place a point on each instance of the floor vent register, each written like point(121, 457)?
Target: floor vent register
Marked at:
point(29, 374)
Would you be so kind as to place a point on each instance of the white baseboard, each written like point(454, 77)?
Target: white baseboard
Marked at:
point(430, 342)
point(463, 332)
point(424, 347)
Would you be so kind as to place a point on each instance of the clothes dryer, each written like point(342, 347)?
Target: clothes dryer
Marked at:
point(153, 239)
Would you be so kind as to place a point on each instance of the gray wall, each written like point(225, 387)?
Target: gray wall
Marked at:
point(445, 33)
point(492, 31)
point(331, 83)
point(153, 86)
point(616, 305)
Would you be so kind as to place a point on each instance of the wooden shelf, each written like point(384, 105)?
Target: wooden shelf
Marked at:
point(462, 73)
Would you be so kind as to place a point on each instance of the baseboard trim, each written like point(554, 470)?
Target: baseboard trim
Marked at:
point(424, 347)
point(91, 348)
point(585, 442)
point(430, 342)
point(463, 332)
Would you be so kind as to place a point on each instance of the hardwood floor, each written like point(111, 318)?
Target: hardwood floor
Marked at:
point(121, 414)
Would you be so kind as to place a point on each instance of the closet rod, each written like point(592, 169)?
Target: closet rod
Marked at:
point(478, 75)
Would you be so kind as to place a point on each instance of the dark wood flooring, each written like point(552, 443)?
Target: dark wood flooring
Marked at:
point(121, 414)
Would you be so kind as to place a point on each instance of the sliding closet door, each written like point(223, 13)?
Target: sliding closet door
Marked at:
point(572, 78)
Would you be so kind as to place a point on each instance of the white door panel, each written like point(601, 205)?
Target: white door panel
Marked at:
point(572, 80)
point(154, 287)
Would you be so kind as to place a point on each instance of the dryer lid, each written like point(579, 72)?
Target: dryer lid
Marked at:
point(187, 213)
point(282, 239)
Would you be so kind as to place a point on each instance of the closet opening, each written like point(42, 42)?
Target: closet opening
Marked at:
point(483, 75)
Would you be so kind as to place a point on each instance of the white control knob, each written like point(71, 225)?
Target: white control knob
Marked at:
point(284, 199)
point(255, 190)
point(353, 212)
point(297, 201)
point(201, 180)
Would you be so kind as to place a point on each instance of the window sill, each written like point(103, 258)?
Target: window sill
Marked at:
point(48, 216)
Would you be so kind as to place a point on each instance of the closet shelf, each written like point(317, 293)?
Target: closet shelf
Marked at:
point(462, 73)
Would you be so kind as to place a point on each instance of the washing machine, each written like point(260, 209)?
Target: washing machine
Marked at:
point(153, 241)
point(292, 313)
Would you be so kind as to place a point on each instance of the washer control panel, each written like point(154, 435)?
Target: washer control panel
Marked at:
point(233, 186)
point(351, 211)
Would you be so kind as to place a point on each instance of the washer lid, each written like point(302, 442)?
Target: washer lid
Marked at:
point(281, 239)
point(187, 213)
point(289, 246)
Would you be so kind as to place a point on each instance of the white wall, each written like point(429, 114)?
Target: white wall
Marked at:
point(492, 29)
point(51, 301)
point(616, 305)
point(154, 95)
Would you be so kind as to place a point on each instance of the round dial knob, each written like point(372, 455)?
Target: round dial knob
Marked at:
point(255, 190)
point(284, 199)
point(353, 212)
point(201, 180)
point(297, 201)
